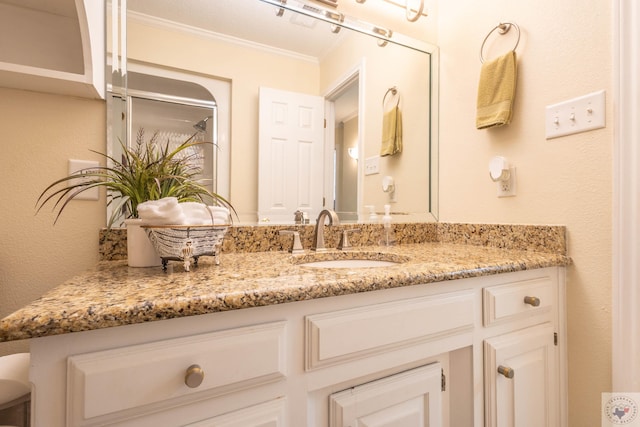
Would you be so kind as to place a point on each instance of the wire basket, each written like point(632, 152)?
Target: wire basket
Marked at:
point(186, 243)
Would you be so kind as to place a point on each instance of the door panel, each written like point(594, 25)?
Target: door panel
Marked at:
point(529, 398)
point(409, 399)
point(290, 165)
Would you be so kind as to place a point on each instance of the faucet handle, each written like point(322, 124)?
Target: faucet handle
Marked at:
point(344, 244)
point(297, 244)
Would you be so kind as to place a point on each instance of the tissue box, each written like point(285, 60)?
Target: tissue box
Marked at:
point(186, 242)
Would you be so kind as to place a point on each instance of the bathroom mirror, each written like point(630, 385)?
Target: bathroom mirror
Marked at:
point(249, 46)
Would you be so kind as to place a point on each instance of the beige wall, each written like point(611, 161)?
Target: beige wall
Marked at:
point(39, 134)
point(564, 52)
point(408, 73)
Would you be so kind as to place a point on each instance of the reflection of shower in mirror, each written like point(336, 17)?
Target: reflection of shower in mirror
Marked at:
point(201, 126)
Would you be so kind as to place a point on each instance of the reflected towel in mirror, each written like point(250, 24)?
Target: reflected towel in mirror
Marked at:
point(496, 91)
point(391, 132)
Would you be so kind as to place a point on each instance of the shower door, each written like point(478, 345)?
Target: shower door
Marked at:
point(171, 121)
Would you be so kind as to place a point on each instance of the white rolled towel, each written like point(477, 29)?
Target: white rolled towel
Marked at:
point(221, 215)
point(164, 211)
point(196, 213)
point(168, 211)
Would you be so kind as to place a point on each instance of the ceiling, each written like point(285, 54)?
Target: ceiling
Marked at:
point(255, 21)
point(59, 7)
point(250, 20)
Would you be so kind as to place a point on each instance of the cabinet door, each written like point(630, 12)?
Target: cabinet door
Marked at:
point(409, 399)
point(269, 414)
point(521, 379)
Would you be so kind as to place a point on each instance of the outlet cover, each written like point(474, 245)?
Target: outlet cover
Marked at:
point(77, 166)
point(507, 188)
point(576, 115)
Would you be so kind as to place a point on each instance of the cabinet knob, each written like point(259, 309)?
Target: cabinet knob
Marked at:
point(194, 376)
point(533, 301)
point(507, 372)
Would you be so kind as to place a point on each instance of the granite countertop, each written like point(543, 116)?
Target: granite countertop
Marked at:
point(113, 294)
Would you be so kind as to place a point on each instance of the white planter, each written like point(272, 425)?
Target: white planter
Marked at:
point(140, 250)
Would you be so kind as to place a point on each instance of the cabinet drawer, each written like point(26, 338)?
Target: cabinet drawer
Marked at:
point(137, 379)
point(350, 334)
point(507, 302)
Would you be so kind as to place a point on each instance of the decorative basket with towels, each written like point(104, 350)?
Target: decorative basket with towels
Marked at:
point(184, 231)
point(186, 243)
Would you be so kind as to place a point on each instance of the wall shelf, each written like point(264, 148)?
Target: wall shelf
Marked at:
point(53, 47)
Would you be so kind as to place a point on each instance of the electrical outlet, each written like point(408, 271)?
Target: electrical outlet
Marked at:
point(507, 188)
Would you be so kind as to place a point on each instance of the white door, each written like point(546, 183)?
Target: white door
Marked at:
point(290, 165)
point(521, 379)
point(409, 399)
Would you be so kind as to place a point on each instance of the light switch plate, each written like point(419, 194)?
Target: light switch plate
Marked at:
point(372, 165)
point(576, 115)
point(78, 165)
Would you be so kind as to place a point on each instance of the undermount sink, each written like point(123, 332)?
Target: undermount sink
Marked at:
point(350, 259)
point(349, 263)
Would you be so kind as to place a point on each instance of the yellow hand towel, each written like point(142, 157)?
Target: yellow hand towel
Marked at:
point(391, 132)
point(496, 91)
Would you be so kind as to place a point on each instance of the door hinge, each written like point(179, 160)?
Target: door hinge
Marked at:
point(443, 381)
point(555, 338)
point(325, 123)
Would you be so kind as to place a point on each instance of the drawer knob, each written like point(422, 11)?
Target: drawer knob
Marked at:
point(194, 376)
point(507, 372)
point(533, 301)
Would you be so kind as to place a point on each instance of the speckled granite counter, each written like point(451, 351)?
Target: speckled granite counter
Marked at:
point(113, 294)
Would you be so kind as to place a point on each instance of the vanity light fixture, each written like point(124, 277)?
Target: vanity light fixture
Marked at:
point(412, 14)
point(336, 19)
point(332, 3)
point(280, 10)
point(353, 152)
point(336, 16)
point(384, 33)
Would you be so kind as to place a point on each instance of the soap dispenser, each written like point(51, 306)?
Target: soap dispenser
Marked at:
point(388, 238)
point(373, 217)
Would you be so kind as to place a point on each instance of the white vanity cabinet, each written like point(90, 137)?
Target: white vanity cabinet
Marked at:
point(112, 385)
point(409, 399)
point(522, 378)
point(522, 368)
point(423, 355)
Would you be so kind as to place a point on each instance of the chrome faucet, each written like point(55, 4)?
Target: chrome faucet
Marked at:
point(318, 237)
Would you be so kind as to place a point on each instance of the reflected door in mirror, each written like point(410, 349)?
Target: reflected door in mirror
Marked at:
point(290, 140)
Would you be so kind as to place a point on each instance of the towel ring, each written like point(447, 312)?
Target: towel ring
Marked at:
point(394, 91)
point(503, 28)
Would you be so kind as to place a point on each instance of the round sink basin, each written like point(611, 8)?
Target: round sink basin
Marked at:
point(349, 263)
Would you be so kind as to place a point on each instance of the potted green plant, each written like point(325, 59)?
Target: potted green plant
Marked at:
point(149, 170)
